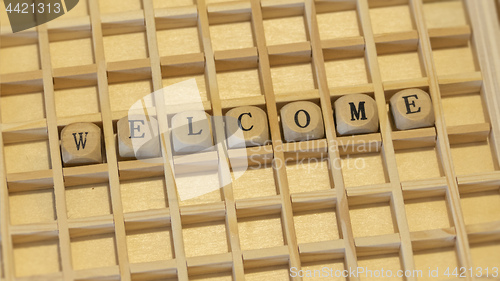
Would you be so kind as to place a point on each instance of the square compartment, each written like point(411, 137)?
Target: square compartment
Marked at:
point(229, 36)
point(80, 10)
point(71, 52)
point(401, 66)
point(482, 207)
point(418, 164)
point(118, 6)
point(293, 78)
point(122, 47)
point(207, 238)
point(275, 273)
point(313, 266)
point(123, 95)
point(372, 219)
point(486, 255)
point(363, 169)
point(464, 109)
point(200, 82)
point(29, 207)
point(27, 156)
point(347, 72)
point(21, 58)
point(88, 200)
point(472, 158)
point(219, 276)
point(387, 262)
point(345, 23)
point(210, 180)
point(178, 41)
point(143, 194)
point(316, 225)
point(172, 3)
point(427, 213)
point(309, 174)
point(94, 251)
point(285, 30)
point(440, 14)
point(391, 19)
point(260, 232)
point(255, 182)
point(433, 259)
point(449, 61)
point(240, 83)
point(77, 101)
point(22, 107)
point(150, 245)
point(37, 258)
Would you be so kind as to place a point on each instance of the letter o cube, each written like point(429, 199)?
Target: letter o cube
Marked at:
point(356, 114)
point(302, 121)
point(412, 108)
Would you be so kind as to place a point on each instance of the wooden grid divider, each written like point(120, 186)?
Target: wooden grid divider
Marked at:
point(272, 114)
point(109, 141)
point(342, 205)
point(7, 253)
point(220, 138)
point(387, 144)
point(462, 244)
point(55, 156)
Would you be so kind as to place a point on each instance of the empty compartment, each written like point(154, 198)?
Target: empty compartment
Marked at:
point(392, 266)
point(150, 245)
point(205, 238)
point(22, 107)
point(73, 52)
point(363, 169)
point(27, 156)
point(372, 219)
point(419, 163)
point(428, 213)
point(389, 19)
point(481, 207)
point(451, 60)
point(276, 272)
point(316, 225)
point(464, 109)
point(77, 101)
point(36, 258)
point(173, 3)
point(123, 95)
point(28, 207)
point(442, 14)
point(472, 158)
point(88, 200)
point(178, 41)
point(143, 194)
point(125, 46)
point(20, 58)
point(232, 35)
point(308, 174)
point(348, 71)
point(485, 255)
point(292, 78)
point(117, 6)
point(201, 83)
point(327, 270)
point(240, 83)
point(434, 262)
point(256, 181)
point(94, 251)
point(285, 30)
point(345, 22)
point(260, 232)
point(404, 65)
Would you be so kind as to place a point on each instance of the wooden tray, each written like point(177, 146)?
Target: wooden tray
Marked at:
point(423, 199)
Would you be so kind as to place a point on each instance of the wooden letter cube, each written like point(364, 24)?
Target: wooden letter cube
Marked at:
point(302, 120)
point(356, 114)
point(246, 126)
point(138, 137)
point(191, 131)
point(81, 144)
point(412, 108)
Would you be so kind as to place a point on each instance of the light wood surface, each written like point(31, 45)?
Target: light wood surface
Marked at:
point(393, 199)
